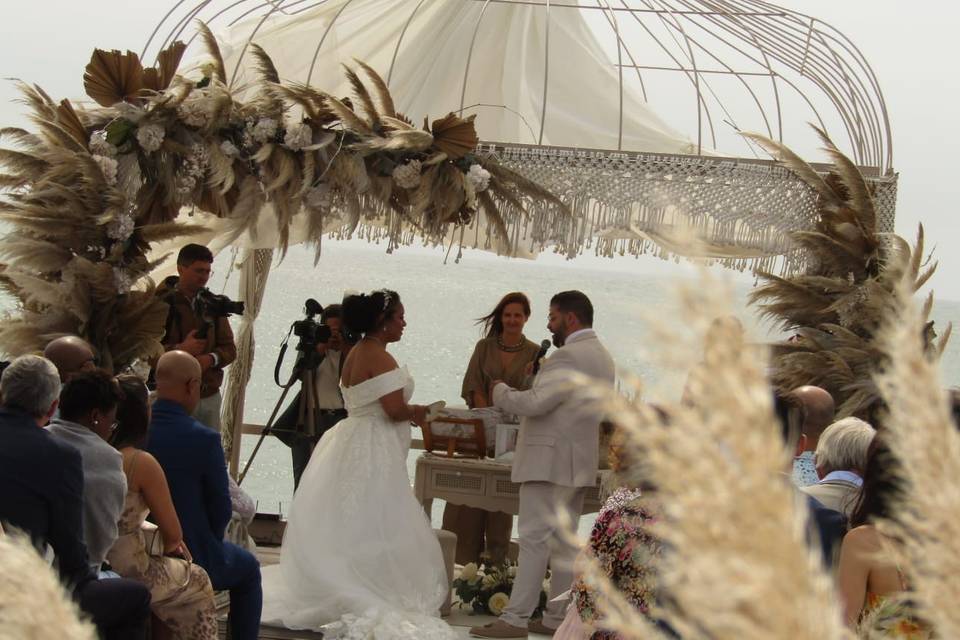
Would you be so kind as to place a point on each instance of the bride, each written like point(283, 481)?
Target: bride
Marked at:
point(359, 557)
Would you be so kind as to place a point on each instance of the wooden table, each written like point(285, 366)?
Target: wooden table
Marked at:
point(484, 484)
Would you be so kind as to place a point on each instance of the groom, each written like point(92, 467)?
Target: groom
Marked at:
point(556, 460)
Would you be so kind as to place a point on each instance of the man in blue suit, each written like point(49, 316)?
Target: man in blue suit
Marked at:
point(192, 459)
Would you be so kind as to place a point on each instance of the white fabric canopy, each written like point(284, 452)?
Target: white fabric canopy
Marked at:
point(440, 56)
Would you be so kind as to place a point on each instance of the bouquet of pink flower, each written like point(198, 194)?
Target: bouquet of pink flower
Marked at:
point(486, 588)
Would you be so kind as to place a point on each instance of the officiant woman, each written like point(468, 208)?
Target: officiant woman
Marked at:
point(504, 354)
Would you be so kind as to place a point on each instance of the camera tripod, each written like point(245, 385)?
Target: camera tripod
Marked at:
point(304, 371)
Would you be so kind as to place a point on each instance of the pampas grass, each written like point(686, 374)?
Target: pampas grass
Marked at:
point(925, 442)
point(736, 563)
point(33, 603)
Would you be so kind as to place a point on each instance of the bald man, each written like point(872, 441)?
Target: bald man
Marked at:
point(816, 411)
point(192, 459)
point(70, 355)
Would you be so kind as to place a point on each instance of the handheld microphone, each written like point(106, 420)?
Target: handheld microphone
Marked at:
point(544, 346)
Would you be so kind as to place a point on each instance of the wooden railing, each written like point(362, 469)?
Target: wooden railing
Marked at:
point(250, 429)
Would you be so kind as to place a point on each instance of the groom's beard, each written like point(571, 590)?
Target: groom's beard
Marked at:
point(560, 336)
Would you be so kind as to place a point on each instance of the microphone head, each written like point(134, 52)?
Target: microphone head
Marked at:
point(545, 345)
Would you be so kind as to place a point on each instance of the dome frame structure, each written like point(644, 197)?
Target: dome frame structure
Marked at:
point(573, 102)
point(795, 52)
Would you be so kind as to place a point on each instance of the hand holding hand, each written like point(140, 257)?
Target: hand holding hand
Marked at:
point(193, 345)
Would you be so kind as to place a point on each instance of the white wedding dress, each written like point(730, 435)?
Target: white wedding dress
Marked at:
point(359, 557)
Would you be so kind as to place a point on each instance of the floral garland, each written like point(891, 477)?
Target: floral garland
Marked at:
point(487, 587)
point(90, 195)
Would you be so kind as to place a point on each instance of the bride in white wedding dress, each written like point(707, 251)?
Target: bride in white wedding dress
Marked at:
point(359, 557)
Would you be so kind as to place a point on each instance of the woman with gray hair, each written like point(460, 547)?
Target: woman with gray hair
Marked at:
point(841, 457)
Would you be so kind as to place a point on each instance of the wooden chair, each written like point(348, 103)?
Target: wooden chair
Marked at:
point(468, 441)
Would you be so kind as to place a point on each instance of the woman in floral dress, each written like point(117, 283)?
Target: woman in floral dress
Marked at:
point(181, 596)
point(624, 551)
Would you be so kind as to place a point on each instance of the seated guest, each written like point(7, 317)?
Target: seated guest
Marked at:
point(623, 548)
point(826, 526)
point(183, 602)
point(70, 355)
point(841, 457)
point(815, 407)
point(191, 457)
point(868, 578)
point(88, 411)
point(504, 354)
point(42, 480)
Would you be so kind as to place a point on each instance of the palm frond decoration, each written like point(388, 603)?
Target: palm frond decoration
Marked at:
point(835, 310)
point(92, 191)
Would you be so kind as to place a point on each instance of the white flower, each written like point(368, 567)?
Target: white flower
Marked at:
point(479, 177)
point(320, 197)
point(150, 137)
point(488, 581)
point(298, 136)
point(99, 145)
point(195, 111)
point(498, 602)
point(122, 279)
point(229, 149)
point(469, 571)
point(512, 571)
point(264, 130)
point(121, 227)
point(108, 167)
point(407, 176)
point(193, 170)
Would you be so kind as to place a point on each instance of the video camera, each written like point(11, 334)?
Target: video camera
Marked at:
point(310, 332)
point(209, 306)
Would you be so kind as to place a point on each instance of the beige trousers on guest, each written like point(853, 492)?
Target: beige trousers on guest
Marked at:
point(547, 523)
point(208, 411)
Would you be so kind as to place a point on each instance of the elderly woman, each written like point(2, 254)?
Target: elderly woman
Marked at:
point(841, 457)
point(503, 354)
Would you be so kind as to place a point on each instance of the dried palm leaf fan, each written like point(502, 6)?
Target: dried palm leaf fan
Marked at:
point(835, 310)
point(567, 96)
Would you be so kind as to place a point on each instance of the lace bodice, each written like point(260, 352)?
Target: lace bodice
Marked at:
point(363, 399)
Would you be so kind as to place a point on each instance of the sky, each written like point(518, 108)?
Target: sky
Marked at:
point(912, 51)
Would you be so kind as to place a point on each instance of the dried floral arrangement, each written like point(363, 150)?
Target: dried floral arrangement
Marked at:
point(92, 190)
point(835, 309)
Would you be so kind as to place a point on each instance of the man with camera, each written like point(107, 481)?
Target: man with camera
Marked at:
point(197, 323)
point(329, 350)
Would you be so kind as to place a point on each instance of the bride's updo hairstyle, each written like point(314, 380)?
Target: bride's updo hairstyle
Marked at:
point(363, 313)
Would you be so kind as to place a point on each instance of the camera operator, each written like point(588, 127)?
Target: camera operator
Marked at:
point(216, 349)
point(330, 410)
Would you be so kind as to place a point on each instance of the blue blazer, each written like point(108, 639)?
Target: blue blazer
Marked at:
point(192, 459)
point(42, 480)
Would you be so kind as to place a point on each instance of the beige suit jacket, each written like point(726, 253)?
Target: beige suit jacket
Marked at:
point(559, 427)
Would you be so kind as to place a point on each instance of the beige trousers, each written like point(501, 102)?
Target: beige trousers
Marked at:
point(547, 523)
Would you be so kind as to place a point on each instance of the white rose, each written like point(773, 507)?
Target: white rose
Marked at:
point(498, 602)
point(407, 176)
point(469, 571)
point(298, 136)
point(264, 130)
point(108, 167)
point(150, 137)
point(479, 177)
